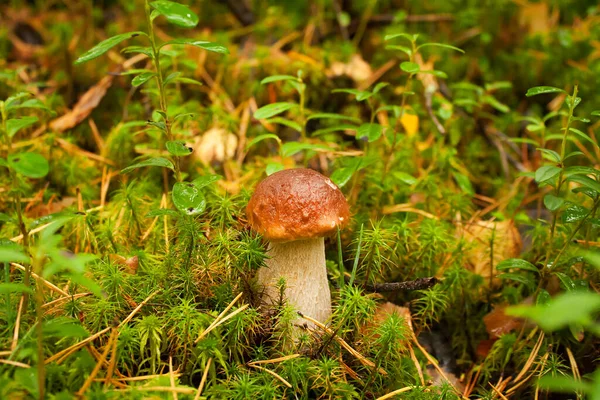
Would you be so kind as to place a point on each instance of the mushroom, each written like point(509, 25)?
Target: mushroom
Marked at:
point(295, 209)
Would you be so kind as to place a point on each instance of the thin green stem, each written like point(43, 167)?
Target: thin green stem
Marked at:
point(161, 87)
point(39, 302)
point(559, 183)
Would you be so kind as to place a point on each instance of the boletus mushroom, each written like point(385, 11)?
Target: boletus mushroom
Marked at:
point(294, 210)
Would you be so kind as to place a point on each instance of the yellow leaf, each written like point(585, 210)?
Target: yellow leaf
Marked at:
point(410, 122)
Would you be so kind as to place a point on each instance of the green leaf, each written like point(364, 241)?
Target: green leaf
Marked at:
point(336, 128)
point(552, 202)
point(271, 168)
point(271, 110)
point(439, 74)
point(142, 78)
point(106, 45)
point(152, 162)
point(405, 178)
point(517, 263)
point(525, 280)
point(188, 198)
point(574, 213)
point(567, 283)
point(176, 13)
point(442, 45)
point(580, 170)
point(573, 154)
point(12, 254)
point(546, 172)
point(409, 67)
point(14, 287)
point(15, 99)
point(172, 77)
point(583, 136)
point(534, 91)
point(291, 148)
point(178, 148)
point(550, 155)
point(359, 94)
point(563, 384)
point(31, 103)
point(406, 36)
point(492, 101)
point(262, 137)
point(283, 121)
point(205, 180)
point(543, 297)
point(585, 181)
point(464, 183)
point(31, 165)
point(564, 309)
point(6, 218)
point(379, 86)
point(333, 116)
point(404, 49)
point(570, 98)
point(203, 44)
point(371, 131)
point(277, 78)
point(90, 284)
point(14, 125)
point(64, 328)
point(341, 176)
point(139, 49)
point(188, 81)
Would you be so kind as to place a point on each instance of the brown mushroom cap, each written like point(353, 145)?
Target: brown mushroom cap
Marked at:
point(297, 204)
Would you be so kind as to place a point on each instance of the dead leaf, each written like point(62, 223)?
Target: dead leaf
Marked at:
point(84, 106)
point(497, 323)
point(536, 17)
point(52, 207)
point(215, 145)
point(490, 241)
point(356, 69)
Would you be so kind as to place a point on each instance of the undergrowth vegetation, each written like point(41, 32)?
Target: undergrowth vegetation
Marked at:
point(463, 135)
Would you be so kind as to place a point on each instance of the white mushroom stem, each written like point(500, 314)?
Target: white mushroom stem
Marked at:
point(302, 264)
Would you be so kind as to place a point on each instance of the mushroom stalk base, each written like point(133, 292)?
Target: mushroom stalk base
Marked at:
point(302, 264)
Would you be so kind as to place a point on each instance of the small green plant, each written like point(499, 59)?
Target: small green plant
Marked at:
point(187, 196)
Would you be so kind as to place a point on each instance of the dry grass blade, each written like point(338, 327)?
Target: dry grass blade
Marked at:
point(415, 361)
point(159, 389)
point(63, 354)
point(140, 378)
point(15, 340)
point(407, 208)
point(274, 360)
point(90, 378)
point(203, 380)
point(395, 392)
point(132, 314)
point(45, 282)
point(210, 327)
point(363, 360)
point(531, 358)
point(434, 362)
point(69, 350)
point(172, 377)
point(214, 325)
point(278, 377)
point(15, 363)
point(61, 299)
point(498, 392)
